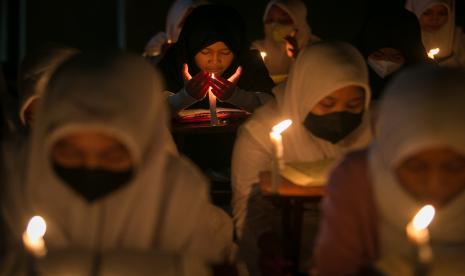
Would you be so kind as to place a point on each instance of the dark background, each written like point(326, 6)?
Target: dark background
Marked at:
point(102, 24)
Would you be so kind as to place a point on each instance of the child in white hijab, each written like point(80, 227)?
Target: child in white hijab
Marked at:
point(327, 97)
point(417, 158)
point(103, 171)
point(438, 30)
point(283, 20)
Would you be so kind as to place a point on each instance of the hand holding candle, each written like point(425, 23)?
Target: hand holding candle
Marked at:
point(278, 151)
point(33, 237)
point(433, 52)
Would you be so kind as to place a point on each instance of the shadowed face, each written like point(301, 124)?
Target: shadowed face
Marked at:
point(91, 150)
point(434, 176)
point(434, 18)
point(215, 58)
point(349, 98)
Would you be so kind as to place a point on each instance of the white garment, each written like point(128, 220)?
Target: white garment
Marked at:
point(40, 73)
point(320, 69)
point(449, 39)
point(176, 15)
point(436, 119)
point(165, 206)
point(276, 60)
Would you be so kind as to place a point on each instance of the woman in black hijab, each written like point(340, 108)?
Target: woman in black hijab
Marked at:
point(390, 42)
point(213, 40)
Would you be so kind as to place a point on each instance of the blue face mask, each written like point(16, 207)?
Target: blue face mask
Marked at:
point(333, 127)
point(93, 184)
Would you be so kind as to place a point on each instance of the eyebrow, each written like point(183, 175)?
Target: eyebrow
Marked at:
point(328, 98)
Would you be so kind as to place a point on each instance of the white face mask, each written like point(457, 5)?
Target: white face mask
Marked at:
point(278, 31)
point(383, 67)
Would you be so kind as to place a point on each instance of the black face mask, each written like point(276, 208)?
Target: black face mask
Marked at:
point(333, 127)
point(93, 184)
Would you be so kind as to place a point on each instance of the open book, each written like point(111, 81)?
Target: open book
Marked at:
point(308, 173)
point(203, 115)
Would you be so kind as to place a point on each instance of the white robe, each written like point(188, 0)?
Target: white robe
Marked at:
point(403, 129)
point(320, 69)
point(165, 206)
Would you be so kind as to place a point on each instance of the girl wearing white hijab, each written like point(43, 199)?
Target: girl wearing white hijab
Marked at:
point(327, 97)
point(283, 18)
point(438, 30)
point(103, 170)
point(418, 158)
point(174, 21)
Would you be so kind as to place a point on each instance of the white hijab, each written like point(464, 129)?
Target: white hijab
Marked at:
point(121, 98)
point(319, 70)
point(423, 108)
point(176, 14)
point(443, 38)
point(276, 59)
point(39, 73)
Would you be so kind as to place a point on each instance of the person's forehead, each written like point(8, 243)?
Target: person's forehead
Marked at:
point(276, 11)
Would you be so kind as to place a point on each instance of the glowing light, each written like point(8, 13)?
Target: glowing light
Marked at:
point(423, 218)
point(33, 237)
point(36, 228)
point(433, 52)
point(282, 126)
point(263, 54)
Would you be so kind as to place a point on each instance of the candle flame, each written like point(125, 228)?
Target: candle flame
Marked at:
point(263, 54)
point(36, 228)
point(279, 128)
point(424, 217)
point(433, 52)
point(213, 75)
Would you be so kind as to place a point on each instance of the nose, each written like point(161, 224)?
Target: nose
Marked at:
point(91, 162)
point(436, 19)
point(434, 182)
point(216, 59)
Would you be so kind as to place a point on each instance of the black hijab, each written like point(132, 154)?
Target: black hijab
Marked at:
point(395, 28)
point(204, 26)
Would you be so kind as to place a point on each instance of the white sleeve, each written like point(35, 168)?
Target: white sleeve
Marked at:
point(155, 44)
point(213, 236)
point(250, 210)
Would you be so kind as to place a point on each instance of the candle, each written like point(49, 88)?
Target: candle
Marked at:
point(33, 237)
point(263, 54)
point(278, 151)
point(417, 232)
point(212, 101)
point(433, 52)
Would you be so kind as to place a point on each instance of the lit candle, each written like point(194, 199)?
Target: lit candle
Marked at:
point(33, 237)
point(212, 101)
point(263, 54)
point(417, 232)
point(278, 151)
point(433, 52)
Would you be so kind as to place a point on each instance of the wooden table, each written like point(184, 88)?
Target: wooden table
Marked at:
point(210, 147)
point(291, 199)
